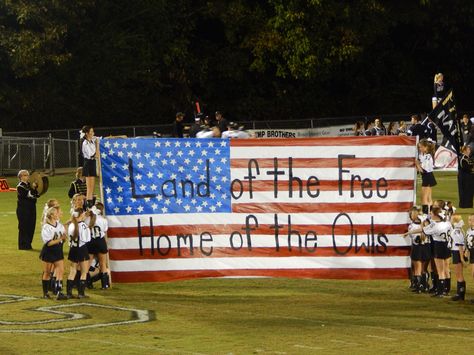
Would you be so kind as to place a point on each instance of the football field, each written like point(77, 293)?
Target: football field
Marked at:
point(222, 316)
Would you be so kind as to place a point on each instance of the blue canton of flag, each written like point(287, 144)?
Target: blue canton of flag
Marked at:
point(160, 176)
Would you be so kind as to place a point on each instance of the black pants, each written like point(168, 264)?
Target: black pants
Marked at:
point(26, 226)
point(466, 189)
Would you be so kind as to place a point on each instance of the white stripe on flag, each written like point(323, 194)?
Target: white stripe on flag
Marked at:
point(360, 151)
point(261, 198)
point(358, 262)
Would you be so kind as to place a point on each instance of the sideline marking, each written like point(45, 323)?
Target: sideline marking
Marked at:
point(345, 342)
point(380, 337)
point(138, 316)
point(453, 328)
point(308, 347)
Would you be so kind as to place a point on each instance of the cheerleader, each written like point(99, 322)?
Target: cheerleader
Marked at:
point(52, 202)
point(470, 244)
point(53, 236)
point(439, 89)
point(420, 251)
point(89, 171)
point(78, 202)
point(79, 235)
point(98, 244)
point(424, 164)
point(457, 251)
point(440, 232)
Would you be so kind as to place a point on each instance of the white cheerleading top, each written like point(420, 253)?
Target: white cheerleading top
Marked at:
point(84, 235)
point(426, 162)
point(50, 232)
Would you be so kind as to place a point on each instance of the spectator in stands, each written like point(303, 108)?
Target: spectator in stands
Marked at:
point(439, 89)
point(359, 129)
point(392, 129)
point(209, 132)
point(196, 126)
point(417, 129)
point(466, 126)
point(178, 126)
point(368, 128)
point(402, 128)
point(221, 122)
point(235, 131)
point(378, 129)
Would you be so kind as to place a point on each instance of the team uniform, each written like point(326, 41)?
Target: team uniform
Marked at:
point(89, 152)
point(53, 253)
point(26, 214)
point(420, 250)
point(470, 244)
point(78, 248)
point(457, 240)
point(439, 90)
point(427, 165)
point(98, 244)
point(440, 233)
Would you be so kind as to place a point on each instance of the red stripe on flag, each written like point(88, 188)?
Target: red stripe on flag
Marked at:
point(329, 163)
point(184, 252)
point(324, 185)
point(264, 229)
point(355, 274)
point(276, 207)
point(324, 141)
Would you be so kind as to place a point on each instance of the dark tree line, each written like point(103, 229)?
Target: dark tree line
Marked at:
point(121, 62)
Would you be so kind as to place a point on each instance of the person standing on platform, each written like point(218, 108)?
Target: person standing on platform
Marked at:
point(89, 150)
point(26, 210)
point(439, 89)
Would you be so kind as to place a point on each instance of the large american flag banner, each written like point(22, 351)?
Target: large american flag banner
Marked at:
point(313, 208)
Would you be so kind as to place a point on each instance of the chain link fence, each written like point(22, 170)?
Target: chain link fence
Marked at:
point(37, 153)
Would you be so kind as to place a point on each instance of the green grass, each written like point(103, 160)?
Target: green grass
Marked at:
point(239, 316)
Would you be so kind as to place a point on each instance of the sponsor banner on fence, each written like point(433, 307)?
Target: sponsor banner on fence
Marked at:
point(333, 131)
point(314, 207)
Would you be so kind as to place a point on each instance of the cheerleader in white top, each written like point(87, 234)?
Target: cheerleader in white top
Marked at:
point(53, 235)
point(457, 251)
point(98, 244)
point(79, 235)
point(440, 232)
point(89, 170)
point(425, 165)
point(420, 250)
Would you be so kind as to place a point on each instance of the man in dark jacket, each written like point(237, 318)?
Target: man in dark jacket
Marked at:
point(26, 210)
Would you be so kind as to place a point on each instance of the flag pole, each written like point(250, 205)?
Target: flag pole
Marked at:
point(101, 190)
